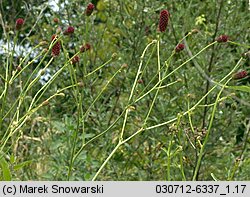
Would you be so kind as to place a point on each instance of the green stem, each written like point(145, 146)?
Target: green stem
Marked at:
point(200, 156)
point(165, 77)
point(133, 87)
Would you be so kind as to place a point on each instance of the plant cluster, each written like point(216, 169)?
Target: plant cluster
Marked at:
point(105, 92)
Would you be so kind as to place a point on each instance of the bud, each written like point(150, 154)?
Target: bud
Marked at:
point(195, 31)
point(240, 75)
point(114, 56)
point(18, 68)
point(80, 84)
point(179, 47)
point(140, 81)
point(222, 38)
point(19, 23)
point(7, 28)
point(70, 30)
point(56, 20)
point(42, 72)
point(46, 102)
point(61, 94)
point(75, 60)
point(163, 22)
point(42, 43)
point(85, 47)
point(57, 46)
point(124, 65)
point(45, 50)
point(192, 96)
point(246, 55)
point(90, 9)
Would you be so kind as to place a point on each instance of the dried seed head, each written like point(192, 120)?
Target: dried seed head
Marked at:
point(163, 22)
point(179, 47)
point(240, 75)
point(19, 23)
point(222, 38)
point(90, 9)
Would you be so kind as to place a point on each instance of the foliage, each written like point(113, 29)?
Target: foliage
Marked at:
point(132, 108)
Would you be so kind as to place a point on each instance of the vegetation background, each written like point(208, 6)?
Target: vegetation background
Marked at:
point(84, 121)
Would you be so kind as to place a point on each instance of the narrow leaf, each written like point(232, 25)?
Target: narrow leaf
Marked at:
point(5, 169)
point(240, 88)
point(21, 165)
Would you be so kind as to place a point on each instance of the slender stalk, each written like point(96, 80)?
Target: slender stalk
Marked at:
point(186, 112)
point(211, 62)
point(94, 71)
point(126, 112)
point(165, 77)
point(106, 161)
point(200, 156)
point(73, 155)
point(133, 87)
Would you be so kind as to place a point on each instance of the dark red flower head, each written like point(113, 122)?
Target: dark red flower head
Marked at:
point(56, 47)
point(140, 81)
point(85, 47)
point(222, 38)
point(69, 30)
point(19, 23)
point(240, 75)
point(75, 59)
point(90, 9)
point(56, 20)
point(163, 22)
point(179, 47)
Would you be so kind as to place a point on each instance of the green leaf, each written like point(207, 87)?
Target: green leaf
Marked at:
point(12, 159)
point(5, 169)
point(21, 165)
point(89, 135)
point(240, 88)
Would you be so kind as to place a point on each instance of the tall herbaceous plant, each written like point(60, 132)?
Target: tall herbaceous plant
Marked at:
point(124, 90)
